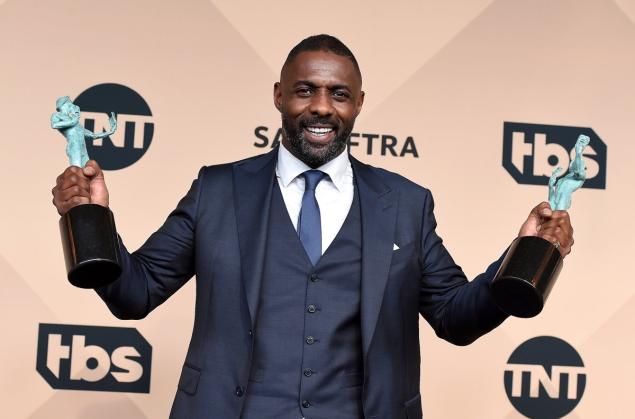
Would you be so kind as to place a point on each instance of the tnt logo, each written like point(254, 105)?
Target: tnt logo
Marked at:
point(545, 378)
point(134, 124)
point(532, 151)
point(94, 358)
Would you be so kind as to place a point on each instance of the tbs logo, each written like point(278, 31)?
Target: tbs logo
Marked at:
point(532, 151)
point(94, 358)
point(545, 378)
point(135, 126)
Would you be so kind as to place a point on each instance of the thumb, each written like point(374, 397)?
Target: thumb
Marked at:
point(541, 211)
point(98, 190)
point(531, 226)
point(92, 170)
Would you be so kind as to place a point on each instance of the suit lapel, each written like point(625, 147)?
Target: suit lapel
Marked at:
point(378, 206)
point(253, 183)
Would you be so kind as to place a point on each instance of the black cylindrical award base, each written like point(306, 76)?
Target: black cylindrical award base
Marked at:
point(91, 246)
point(525, 278)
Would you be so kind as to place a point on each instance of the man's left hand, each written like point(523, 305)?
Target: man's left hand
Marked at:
point(553, 226)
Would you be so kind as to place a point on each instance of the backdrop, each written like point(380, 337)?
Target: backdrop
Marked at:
point(477, 100)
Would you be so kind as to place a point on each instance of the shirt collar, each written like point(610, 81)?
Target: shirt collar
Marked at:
point(290, 167)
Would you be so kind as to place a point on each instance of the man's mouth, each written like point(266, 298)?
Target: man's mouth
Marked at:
point(319, 130)
point(317, 134)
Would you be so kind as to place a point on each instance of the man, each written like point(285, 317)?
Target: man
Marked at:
point(312, 268)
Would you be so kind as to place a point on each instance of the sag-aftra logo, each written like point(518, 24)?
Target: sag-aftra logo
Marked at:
point(371, 144)
point(94, 358)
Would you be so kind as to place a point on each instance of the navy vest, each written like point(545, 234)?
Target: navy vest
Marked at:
point(307, 359)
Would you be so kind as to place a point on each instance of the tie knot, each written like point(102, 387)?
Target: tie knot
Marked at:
point(312, 178)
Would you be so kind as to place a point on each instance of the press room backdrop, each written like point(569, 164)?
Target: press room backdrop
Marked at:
point(475, 99)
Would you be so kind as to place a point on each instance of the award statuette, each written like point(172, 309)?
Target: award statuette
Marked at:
point(89, 237)
point(532, 264)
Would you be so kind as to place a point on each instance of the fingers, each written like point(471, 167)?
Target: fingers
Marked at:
point(70, 170)
point(553, 226)
point(72, 176)
point(65, 206)
point(558, 219)
point(72, 188)
point(532, 225)
point(66, 201)
point(557, 229)
point(75, 190)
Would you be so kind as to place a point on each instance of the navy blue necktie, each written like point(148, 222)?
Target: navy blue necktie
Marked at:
point(309, 225)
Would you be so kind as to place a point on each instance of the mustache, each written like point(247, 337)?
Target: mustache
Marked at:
point(318, 121)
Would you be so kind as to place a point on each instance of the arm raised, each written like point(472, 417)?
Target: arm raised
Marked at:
point(161, 266)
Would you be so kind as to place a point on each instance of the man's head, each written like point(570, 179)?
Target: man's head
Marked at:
point(319, 96)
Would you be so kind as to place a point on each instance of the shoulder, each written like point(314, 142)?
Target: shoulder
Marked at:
point(223, 173)
point(227, 168)
point(395, 181)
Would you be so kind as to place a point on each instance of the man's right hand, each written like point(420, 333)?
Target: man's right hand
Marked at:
point(77, 186)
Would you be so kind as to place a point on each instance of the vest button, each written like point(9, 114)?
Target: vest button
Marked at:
point(307, 372)
point(310, 340)
point(311, 308)
point(314, 278)
point(306, 404)
point(240, 391)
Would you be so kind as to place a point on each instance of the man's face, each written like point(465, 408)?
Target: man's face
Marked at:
point(319, 96)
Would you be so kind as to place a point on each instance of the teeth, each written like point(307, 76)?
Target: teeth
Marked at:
point(319, 131)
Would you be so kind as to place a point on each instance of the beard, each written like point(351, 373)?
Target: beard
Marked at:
point(311, 154)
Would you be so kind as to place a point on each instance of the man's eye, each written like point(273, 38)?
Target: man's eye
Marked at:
point(305, 91)
point(340, 94)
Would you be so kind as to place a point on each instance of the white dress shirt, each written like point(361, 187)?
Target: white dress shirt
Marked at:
point(334, 193)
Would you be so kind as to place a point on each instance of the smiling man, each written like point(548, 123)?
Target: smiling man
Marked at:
point(319, 96)
point(311, 267)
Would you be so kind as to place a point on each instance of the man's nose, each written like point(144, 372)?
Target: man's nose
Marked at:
point(321, 103)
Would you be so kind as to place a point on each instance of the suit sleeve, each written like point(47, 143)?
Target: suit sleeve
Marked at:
point(160, 267)
point(460, 311)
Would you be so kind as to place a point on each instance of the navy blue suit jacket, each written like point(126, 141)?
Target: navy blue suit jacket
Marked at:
point(218, 232)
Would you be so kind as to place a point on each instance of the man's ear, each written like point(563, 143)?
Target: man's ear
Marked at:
point(277, 96)
point(360, 103)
